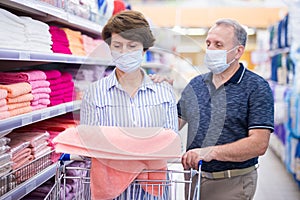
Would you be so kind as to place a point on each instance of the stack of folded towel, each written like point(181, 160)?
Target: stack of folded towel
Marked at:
point(54, 78)
point(61, 85)
point(20, 151)
point(39, 86)
point(38, 140)
point(37, 35)
point(23, 33)
point(60, 40)
point(12, 33)
point(75, 42)
point(90, 44)
point(18, 98)
point(3, 107)
point(68, 91)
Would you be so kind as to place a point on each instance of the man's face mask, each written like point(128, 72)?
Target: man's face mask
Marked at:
point(127, 62)
point(216, 60)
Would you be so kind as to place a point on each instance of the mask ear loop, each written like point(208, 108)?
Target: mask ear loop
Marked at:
point(230, 51)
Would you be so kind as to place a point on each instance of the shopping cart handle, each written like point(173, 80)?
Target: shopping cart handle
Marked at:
point(65, 157)
point(199, 164)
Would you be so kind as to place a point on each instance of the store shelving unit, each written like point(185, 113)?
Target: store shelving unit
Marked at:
point(6, 125)
point(29, 185)
point(17, 55)
point(49, 13)
point(12, 59)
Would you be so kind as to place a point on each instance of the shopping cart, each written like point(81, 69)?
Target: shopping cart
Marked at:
point(169, 189)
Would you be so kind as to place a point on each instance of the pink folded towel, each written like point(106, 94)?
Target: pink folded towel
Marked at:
point(16, 89)
point(40, 101)
point(26, 76)
point(3, 94)
point(2, 102)
point(46, 90)
point(39, 84)
point(21, 98)
point(38, 96)
point(54, 102)
point(4, 114)
point(3, 108)
point(119, 155)
point(56, 81)
point(52, 74)
point(66, 77)
point(39, 106)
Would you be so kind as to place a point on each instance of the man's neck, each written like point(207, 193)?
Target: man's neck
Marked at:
point(220, 79)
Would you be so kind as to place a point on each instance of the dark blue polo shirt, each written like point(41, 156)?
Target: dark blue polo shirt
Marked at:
point(224, 115)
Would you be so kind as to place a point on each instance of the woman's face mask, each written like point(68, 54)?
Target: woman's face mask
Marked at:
point(128, 62)
point(216, 60)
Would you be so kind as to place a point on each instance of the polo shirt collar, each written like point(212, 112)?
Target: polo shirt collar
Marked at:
point(235, 79)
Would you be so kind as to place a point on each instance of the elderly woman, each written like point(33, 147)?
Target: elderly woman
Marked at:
point(128, 97)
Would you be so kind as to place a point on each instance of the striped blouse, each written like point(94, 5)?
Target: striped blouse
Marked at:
point(105, 103)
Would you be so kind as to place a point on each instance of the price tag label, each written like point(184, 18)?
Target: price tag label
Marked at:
point(45, 115)
point(26, 120)
point(31, 186)
point(24, 56)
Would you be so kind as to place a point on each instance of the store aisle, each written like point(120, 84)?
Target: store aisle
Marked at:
point(274, 182)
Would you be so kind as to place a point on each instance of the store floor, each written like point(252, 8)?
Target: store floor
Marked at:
point(274, 182)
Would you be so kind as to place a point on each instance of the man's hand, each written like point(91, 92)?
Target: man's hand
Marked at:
point(160, 78)
point(191, 158)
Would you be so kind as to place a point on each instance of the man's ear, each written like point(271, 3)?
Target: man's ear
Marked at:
point(240, 51)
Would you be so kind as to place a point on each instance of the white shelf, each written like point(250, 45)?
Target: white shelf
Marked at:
point(6, 125)
point(29, 185)
point(17, 55)
point(51, 13)
point(274, 52)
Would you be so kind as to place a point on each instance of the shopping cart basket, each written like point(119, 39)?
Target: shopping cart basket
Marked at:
point(169, 189)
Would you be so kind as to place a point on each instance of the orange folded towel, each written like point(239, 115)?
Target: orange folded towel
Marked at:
point(13, 106)
point(16, 89)
point(19, 111)
point(21, 98)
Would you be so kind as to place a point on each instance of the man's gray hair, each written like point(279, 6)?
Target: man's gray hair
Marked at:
point(239, 32)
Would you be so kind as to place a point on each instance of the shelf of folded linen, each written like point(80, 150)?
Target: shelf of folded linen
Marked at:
point(19, 55)
point(8, 124)
point(54, 14)
point(21, 181)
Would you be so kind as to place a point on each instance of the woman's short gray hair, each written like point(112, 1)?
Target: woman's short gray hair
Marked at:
point(239, 32)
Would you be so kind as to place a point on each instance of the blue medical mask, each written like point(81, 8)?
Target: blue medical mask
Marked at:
point(216, 60)
point(128, 62)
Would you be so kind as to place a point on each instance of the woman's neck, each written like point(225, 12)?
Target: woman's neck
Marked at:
point(130, 82)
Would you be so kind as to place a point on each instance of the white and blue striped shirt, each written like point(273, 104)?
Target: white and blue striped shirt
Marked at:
point(105, 103)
